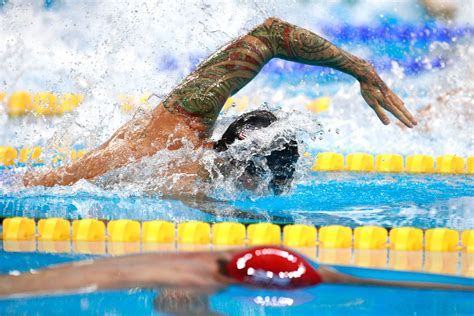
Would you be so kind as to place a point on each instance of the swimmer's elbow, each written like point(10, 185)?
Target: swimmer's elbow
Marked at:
point(271, 21)
point(265, 30)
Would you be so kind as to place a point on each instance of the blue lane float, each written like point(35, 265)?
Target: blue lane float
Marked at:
point(427, 32)
point(406, 44)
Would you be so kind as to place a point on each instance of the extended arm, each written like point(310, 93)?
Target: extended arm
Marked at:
point(298, 44)
point(203, 272)
point(204, 92)
point(198, 100)
point(192, 271)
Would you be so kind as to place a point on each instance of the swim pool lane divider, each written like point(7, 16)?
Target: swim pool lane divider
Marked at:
point(324, 162)
point(234, 234)
point(55, 229)
point(89, 237)
point(10, 156)
point(21, 103)
point(393, 163)
point(18, 228)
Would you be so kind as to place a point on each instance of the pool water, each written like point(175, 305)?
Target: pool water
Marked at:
point(149, 48)
point(237, 300)
point(390, 200)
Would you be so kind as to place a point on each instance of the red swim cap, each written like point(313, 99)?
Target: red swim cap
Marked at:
point(272, 267)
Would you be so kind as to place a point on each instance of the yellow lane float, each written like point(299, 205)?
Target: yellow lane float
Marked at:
point(7, 156)
point(194, 233)
point(123, 230)
point(441, 239)
point(69, 101)
point(30, 155)
point(389, 163)
point(335, 236)
point(88, 230)
point(328, 162)
point(228, 233)
point(42, 103)
point(45, 103)
point(449, 164)
point(470, 165)
point(370, 237)
point(319, 105)
point(54, 229)
point(360, 162)
point(467, 240)
point(419, 164)
point(18, 228)
point(19, 103)
point(263, 234)
point(158, 232)
point(406, 238)
point(299, 236)
point(240, 104)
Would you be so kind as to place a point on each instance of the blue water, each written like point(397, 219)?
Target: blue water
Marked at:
point(390, 200)
point(388, 35)
point(237, 300)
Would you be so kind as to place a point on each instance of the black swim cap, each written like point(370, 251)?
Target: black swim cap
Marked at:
point(246, 122)
point(281, 161)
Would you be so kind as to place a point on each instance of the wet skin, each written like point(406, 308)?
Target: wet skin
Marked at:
point(193, 272)
point(191, 109)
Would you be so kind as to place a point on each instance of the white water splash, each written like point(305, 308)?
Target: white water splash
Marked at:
point(103, 51)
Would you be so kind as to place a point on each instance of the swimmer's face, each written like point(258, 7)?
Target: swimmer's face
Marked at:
point(252, 176)
point(249, 182)
point(253, 183)
point(277, 166)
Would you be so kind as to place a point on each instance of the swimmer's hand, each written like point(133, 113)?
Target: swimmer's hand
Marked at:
point(29, 179)
point(379, 97)
point(46, 179)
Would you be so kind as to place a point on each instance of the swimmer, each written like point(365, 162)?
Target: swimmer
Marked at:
point(444, 9)
point(188, 113)
point(454, 103)
point(270, 267)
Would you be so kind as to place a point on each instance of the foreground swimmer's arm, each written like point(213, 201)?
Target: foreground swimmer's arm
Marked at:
point(205, 272)
point(191, 271)
point(191, 108)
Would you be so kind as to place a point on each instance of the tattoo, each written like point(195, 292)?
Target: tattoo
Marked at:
point(204, 92)
point(298, 44)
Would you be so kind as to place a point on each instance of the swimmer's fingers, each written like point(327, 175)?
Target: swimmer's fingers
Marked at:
point(27, 178)
point(401, 106)
point(381, 114)
point(377, 94)
point(31, 179)
point(396, 109)
point(47, 179)
point(375, 105)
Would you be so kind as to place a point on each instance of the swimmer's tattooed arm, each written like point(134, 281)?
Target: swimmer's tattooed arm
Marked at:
point(201, 96)
point(205, 91)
